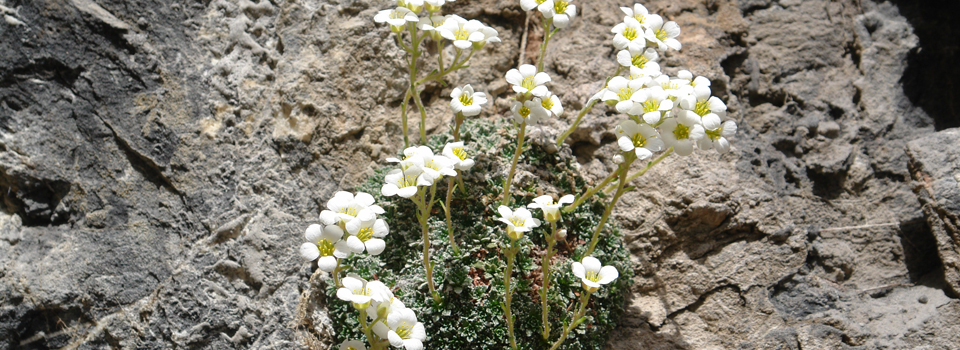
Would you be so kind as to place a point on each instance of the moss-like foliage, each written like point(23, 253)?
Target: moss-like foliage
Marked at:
point(471, 283)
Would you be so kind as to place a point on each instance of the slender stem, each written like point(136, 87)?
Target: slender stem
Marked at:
point(644, 171)
point(577, 319)
point(436, 75)
point(457, 121)
point(508, 297)
point(440, 55)
point(367, 330)
point(424, 212)
point(586, 195)
point(546, 40)
point(423, 115)
point(336, 274)
point(446, 210)
point(460, 182)
point(545, 289)
point(403, 117)
point(583, 111)
point(629, 157)
point(513, 165)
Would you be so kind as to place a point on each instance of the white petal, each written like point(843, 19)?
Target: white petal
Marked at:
point(514, 77)
point(566, 199)
point(327, 263)
point(389, 190)
point(561, 21)
point(505, 211)
point(375, 246)
point(591, 264)
point(652, 118)
point(309, 251)
point(643, 153)
point(710, 121)
point(578, 269)
point(412, 344)
point(625, 143)
point(528, 70)
point(313, 233)
point(380, 228)
point(344, 294)
point(608, 274)
point(418, 332)
point(407, 192)
point(332, 233)
point(355, 244)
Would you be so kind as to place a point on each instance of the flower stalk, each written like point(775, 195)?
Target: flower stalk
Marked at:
point(578, 318)
point(511, 254)
point(423, 214)
point(621, 188)
point(513, 164)
point(545, 288)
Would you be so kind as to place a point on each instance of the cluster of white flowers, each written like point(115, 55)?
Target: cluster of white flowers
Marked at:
point(348, 225)
point(464, 34)
point(421, 167)
point(534, 101)
point(392, 320)
point(664, 111)
point(560, 12)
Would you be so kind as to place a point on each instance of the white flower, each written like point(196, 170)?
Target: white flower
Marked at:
point(529, 112)
point(434, 5)
point(675, 88)
point(434, 166)
point(644, 59)
point(640, 138)
point(562, 12)
point(717, 139)
point(467, 101)
point(552, 103)
point(397, 17)
point(593, 274)
point(680, 133)
point(551, 209)
point(629, 34)
point(638, 13)
point(402, 183)
point(528, 5)
point(518, 221)
point(359, 292)
point(462, 32)
point(366, 233)
point(402, 329)
point(344, 206)
point(353, 345)
point(620, 91)
point(414, 5)
point(528, 80)
point(651, 103)
point(323, 243)
point(430, 23)
point(411, 159)
point(663, 34)
point(709, 110)
point(490, 35)
point(458, 153)
point(389, 305)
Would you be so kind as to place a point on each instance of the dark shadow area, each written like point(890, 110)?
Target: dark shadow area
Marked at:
point(932, 77)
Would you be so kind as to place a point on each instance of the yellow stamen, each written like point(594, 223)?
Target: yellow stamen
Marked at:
point(365, 234)
point(326, 248)
point(630, 33)
point(460, 153)
point(682, 132)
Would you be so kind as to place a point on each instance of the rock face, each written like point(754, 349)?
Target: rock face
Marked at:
point(159, 161)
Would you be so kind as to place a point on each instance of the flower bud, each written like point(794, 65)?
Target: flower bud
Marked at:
point(362, 306)
point(383, 309)
point(431, 8)
point(617, 159)
point(562, 234)
point(514, 234)
point(396, 29)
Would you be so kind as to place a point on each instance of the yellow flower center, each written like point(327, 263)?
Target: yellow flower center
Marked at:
point(702, 108)
point(365, 234)
point(560, 6)
point(406, 181)
point(639, 60)
point(660, 34)
point(639, 140)
point(404, 330)
point(466, 99)
point(349, 211)
point(592, 276)
point(527, 83)
point(461, 34)
point(630, 33)
point(624, 93)
point(682, 132)
point(325, 247)
point(460, 153)
point(518, 221)
point(651, 105)
point(713, 134)
point(640, 18)
point(524, 112)
point(540, 1)
point(547, 103)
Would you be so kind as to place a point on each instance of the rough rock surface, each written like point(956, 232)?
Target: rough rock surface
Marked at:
point(160, 159)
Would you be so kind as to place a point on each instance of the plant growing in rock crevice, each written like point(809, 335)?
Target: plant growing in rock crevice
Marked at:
point(490, 274)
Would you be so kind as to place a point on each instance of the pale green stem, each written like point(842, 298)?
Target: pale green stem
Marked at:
point(629, 157)
point(425, 209)
point(336, 274)
point(544, 291)
point(591, 192)
point(403, 117)
point(543, 46)
point(577, 319)
point(446, 210)
point(513, 165)
point(583, 111)
point(508, 297)
point(374, 341)
point(645, 169)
